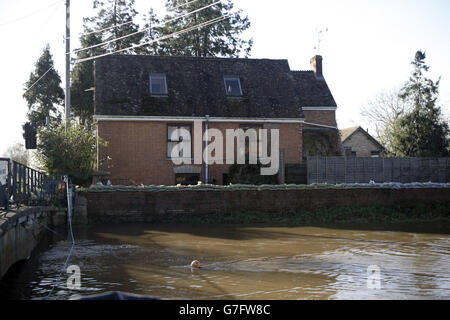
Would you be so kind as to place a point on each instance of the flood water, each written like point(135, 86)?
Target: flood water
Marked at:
point(242, 263)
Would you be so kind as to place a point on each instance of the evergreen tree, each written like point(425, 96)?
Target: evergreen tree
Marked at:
point(422, 132)
point(152, 26)
point(219, 39)
point(45, 95)
point(117, 15)
point(82, 94)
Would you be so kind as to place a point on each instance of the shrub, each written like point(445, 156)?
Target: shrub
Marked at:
point(72, 152)
point(250, 174)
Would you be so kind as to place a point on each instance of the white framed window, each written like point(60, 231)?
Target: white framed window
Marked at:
point(158, 83)
point(232, 85)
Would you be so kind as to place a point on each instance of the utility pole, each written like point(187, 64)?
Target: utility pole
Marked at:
point(207, 154)
point(67, 101)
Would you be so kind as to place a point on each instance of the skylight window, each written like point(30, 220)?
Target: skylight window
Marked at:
point(158, 83)
point(233, 86)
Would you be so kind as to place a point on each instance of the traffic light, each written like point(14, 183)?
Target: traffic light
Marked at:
point(30, 136)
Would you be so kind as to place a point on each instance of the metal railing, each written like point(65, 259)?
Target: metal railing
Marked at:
point(23, 186)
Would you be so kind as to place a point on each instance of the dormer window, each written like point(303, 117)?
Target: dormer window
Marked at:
point(233, 86)
point(158, 83)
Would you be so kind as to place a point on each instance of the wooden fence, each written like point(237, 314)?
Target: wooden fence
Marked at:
point(337, 170)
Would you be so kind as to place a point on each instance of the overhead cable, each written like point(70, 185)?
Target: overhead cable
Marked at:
point(29, 14)
point(201, 25)
point(145, 29)
point(41, 77)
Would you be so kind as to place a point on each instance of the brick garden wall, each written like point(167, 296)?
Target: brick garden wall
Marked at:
point(156, 206)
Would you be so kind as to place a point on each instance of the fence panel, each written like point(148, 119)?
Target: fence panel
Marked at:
point(331, 170)
point(335, 170)
point(340, 169)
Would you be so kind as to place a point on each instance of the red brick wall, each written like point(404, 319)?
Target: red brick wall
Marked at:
point(320, 117)
point(154, 206)
point(138, 150)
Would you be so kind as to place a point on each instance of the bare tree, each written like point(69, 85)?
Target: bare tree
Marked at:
point(19, 153)
point(383, 111)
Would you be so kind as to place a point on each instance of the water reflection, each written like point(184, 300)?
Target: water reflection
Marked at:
point(242, 263)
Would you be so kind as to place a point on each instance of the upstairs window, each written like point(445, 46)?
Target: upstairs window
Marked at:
point(233, 86)
point(158, 83)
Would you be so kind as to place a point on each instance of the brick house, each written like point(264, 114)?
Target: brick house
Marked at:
point(141, 100)
point(357, 142)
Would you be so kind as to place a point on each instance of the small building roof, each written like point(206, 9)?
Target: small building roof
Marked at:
point(349, 132)
point(346, 133)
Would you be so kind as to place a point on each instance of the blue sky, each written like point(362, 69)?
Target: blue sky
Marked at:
point(367, 49)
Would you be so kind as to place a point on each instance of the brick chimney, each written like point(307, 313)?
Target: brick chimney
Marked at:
point(316, 66)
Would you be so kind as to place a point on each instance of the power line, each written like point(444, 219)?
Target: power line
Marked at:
point(49, 18)
point(39, 32)
point(30, 14)
point(182, 5)
point(129, 22)
point(29, 88)
point(38, 80)
point(143, 30)
point(101, 30)
point(201, 25)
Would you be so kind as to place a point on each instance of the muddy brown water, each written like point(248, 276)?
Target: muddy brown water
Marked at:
point(247, 262)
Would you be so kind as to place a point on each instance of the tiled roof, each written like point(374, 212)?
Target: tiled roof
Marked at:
point(312, 92)
point(345, 133)
point(196, 87)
